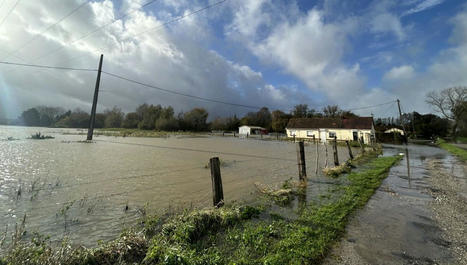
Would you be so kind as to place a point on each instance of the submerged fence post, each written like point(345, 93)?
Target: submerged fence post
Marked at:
point(350, 149)
point(217, 191)
point(336, 157)
point(301, 161)
point(361, 144)
point(317, 157)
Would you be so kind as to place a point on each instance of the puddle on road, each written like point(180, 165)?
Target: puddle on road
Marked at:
point(396, 226)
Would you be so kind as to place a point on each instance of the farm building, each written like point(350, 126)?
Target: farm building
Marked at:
point(324, 129)
point(249, 130)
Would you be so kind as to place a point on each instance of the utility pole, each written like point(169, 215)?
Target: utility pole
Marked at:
point(400, 118)
point(94, 102)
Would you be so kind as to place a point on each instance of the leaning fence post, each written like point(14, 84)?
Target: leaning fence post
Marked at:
point(361, 144)
point(301, 161)
point(350, 149)
point(317, 158)
point(336, 157)
point(217, 191)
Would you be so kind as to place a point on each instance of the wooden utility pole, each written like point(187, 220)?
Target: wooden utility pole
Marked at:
point(350, 149)
point(336, 157)
point(217, 191)
point(94, 102)
point(400, 118)
point(301, 161)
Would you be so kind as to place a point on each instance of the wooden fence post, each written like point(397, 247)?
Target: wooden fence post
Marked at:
point(217, 191)
point(350, 149)
point(301, 161)
point(317, 158)
point(336, 157)
point(361, 144)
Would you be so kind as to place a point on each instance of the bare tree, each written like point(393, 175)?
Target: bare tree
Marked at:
point(450, 102)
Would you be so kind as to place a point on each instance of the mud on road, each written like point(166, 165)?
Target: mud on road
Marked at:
point(418, 215)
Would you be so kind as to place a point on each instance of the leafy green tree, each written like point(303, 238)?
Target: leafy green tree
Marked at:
point(196, 119)
point(131, 120)
point(300, 111)
point(31, 117)
point(113, 118)
point(279, 121)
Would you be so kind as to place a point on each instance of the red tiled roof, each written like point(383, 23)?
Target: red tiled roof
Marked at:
point(331, 123)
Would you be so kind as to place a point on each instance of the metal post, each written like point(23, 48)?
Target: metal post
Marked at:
point(301, 161)
point(217, 191)
point(94, 102)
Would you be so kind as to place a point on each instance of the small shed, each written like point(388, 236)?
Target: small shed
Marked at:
point(249, 130)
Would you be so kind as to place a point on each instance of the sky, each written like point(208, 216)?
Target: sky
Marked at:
point(273, 53)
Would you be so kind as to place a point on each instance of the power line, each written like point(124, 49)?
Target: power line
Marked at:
point(181, 17)
point(170, 21)
point(94, 31)
point(48, 28)
point(9, 12)
point(372, 106)
point(179, 93)
point(48, 67)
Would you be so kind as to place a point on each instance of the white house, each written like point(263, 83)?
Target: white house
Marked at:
point(324, 129)
point(249, 130)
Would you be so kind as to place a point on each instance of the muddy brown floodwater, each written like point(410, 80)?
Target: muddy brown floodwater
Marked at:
point(92, 191)
point(417, 216)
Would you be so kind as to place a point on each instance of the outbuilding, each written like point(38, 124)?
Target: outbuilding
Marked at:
point(250, 130)
point(324, 129)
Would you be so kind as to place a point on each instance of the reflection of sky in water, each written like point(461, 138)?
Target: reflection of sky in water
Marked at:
point(7, 100)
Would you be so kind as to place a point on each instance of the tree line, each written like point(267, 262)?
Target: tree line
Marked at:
point(451, 103)
point(157, 117)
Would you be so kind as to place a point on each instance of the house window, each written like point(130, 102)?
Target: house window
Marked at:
point(309, 133)
point(332, 134)
point(293, 133)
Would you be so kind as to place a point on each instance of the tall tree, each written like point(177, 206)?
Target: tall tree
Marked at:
point(450, 102)
point(279, 121)
point(300, 111)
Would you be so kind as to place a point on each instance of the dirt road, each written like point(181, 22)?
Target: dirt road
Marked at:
point(418, 216)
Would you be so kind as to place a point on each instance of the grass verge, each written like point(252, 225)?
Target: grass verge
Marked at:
point(229, 235)
point(457, 151)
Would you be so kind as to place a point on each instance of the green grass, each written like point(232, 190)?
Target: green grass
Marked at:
point(462, 140)
point(457, 151)
point(229, 235)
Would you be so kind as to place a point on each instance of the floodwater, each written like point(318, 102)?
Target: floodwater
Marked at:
point(398, 226)
point(91, 191)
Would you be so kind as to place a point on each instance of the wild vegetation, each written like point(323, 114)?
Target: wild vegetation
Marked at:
point(229, 235)
point(459, 152)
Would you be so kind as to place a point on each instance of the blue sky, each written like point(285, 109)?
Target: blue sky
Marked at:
point(264, 53)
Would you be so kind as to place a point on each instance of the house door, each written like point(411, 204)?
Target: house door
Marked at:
point(355, 136)
point(322, 136)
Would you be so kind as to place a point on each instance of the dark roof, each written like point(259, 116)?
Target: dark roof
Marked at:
point(331, 123)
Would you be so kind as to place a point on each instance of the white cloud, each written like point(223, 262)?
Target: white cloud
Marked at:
point(387, 22)
point(399, 73)
point(174, 59)
point(423, 5)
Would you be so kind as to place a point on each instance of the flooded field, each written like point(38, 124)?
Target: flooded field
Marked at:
point(91, 191)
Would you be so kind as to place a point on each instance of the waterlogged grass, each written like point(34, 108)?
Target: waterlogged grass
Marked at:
point(457, 151)
point(229, 235)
